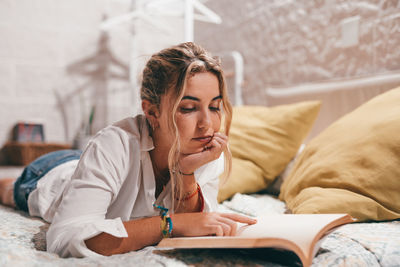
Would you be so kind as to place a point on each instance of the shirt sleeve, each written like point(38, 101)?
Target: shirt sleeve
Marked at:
point(93, 187)
point(207, 176)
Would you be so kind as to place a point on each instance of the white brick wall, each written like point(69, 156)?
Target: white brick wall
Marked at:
point(40, 39)
point(283, 44)
point(292, 42)
point(7, 80)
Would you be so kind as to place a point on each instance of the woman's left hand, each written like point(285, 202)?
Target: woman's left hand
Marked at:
point(212, 151)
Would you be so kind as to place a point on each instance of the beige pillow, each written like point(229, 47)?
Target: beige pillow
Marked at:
point(263, 140)
point(353, 166)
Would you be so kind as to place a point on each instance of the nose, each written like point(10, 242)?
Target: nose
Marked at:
point(204, 121)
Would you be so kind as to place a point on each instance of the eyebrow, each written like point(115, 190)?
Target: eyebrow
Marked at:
point(196, 99)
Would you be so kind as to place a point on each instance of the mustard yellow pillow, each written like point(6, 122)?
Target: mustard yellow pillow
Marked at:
point(353, 166)
point(246, 178)
point(263, 140)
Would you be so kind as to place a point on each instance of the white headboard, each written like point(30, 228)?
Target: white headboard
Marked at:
point(234, 71)
point(338, 97)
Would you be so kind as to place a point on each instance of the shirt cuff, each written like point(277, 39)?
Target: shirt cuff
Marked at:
point(67, 244)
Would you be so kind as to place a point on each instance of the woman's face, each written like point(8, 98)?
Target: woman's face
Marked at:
point(198, 115)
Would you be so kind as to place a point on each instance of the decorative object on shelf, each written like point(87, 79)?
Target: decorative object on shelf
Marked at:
point(28, 132)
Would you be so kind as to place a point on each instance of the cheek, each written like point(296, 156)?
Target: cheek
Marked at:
point(185, 124)
point(216, 122)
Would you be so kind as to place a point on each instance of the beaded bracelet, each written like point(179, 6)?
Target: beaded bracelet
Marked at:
point(166, 222)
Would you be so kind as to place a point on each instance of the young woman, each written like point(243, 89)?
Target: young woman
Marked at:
point(145, 177)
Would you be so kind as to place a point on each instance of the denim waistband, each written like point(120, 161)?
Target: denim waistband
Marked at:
point(32, 173)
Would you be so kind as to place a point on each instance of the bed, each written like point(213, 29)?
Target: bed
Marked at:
point(254, 190)
point(22, 243)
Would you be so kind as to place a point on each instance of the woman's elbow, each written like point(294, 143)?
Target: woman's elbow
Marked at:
point(107, 245)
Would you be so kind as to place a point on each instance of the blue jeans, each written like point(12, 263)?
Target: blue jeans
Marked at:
point(32, 173)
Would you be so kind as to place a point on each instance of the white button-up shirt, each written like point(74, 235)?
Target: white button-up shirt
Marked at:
point(112, 182)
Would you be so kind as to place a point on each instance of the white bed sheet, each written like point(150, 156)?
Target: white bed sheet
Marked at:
point(22, 243)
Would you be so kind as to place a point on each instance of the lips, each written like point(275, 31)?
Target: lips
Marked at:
point(203, 139)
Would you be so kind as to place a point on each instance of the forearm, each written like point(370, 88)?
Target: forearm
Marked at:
point(145, 232)
point(141, 233)
point(191, 199)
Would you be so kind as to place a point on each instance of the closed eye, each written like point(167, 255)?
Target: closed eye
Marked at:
point(187, 110)
point(215, 104)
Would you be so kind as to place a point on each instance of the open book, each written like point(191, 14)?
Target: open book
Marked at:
point(300, 233)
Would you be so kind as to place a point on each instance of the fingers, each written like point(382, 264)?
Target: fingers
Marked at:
point(217, 230)
point(220, 139)
point(221, 136)
point(226, 224)
point(211, 151)
point(217, 144)
point(208, 223)
point(239, 218)
point(222, 228)
point(213, 147)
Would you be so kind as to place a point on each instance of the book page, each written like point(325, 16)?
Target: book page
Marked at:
point(298, 228)
point(296, 232)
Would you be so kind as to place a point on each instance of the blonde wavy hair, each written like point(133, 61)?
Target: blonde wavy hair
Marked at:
point(168, 71)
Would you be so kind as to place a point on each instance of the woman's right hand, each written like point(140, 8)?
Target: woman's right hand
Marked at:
point(188, 163)
point(207, 223)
